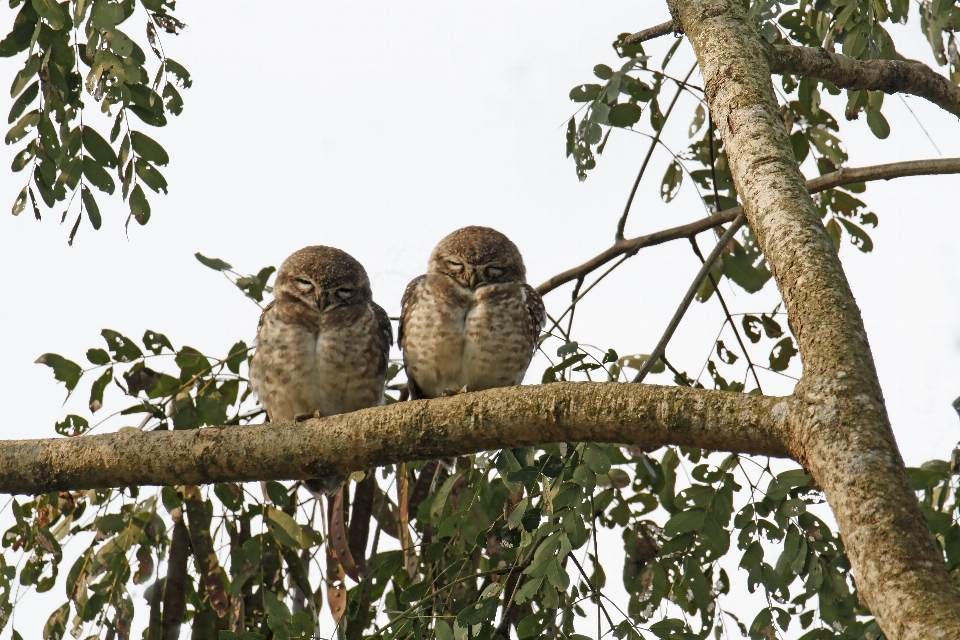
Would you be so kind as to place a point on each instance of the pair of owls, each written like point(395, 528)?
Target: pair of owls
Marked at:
point(471, 322)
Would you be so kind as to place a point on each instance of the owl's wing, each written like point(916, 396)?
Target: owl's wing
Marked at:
point(383, 337)
point(383, 323)
point(263, 315)
point(536, 313)
point(410, 296)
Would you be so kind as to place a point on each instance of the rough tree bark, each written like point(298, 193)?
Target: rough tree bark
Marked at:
point(571, 411)
point(838, 425)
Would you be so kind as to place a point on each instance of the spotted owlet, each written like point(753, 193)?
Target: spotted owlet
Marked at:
point(471, 322)
point(322, 343)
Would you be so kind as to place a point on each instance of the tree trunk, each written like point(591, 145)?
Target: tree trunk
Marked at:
point(838, 425)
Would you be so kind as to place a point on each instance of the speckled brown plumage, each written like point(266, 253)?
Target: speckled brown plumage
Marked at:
point(322, 344)
point(471, 321)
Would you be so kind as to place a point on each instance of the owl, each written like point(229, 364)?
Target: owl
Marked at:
point(471, 322)
point(322, 343)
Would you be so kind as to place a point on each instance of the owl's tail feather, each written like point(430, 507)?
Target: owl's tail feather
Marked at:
point(327, 486)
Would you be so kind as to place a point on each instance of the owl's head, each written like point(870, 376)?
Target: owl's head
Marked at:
point(322, 277)
point(478, 256)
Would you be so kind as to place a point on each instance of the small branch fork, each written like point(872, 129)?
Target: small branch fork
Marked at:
point(631, 246)
point(738, 222)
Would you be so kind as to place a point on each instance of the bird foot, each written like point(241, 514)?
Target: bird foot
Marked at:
point(307, 416)
point(449, 393)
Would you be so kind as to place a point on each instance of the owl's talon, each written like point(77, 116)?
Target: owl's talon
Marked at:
point(307, 416)
point(449, 393)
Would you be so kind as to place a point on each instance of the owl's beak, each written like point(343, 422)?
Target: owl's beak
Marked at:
point(322, 300)
point(473, 279)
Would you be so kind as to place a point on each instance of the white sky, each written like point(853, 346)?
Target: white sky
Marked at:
point(378, 127)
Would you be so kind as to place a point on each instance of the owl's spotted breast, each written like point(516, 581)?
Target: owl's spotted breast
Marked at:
point(454, 337)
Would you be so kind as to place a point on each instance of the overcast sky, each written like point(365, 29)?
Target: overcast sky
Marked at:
point(381, 127)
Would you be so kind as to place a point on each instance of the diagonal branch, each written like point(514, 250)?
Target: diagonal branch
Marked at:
point(688, 297)
point(816, 185)
point(647, 415)
point(653, 32)
point(889, 76)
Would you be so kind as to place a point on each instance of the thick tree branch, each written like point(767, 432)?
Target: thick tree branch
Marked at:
point(890, 171)
point(517, 416)
point(816, 185)
point(889, 76)
point(838, 426)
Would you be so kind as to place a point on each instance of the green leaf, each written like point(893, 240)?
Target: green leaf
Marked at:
point(121, 347)
point(858, 237)
point(213, 263)
point(99, 148)
point(139, 206)
point(155, 342)
point(120, 42)
point(585, 92)
point(274, 606)
point(532, 625)
point(479, 612)
point(20, 203)
point(96, 392)
point(770, 326)
point(442, 630)
point(596, 458)
point(174, 102)
point(603, 72)
point(98, 356)
point(625, 114)
point(18, 131)
point(97, 175)
point(66, 371)
point(748, 328)
point(192, 363)
point(17, 40)
point(50, 11)
point(90, 204)
point(149, 149)
point(56, 624)
point(179, 72)
point(781, 485)
point(171, 499)
point(668, 627)
point(152, 177)
point(284, 528)
point(781, 354)
point(238, 353)
point(699, 118)
point(672, 180)
point(878, 124)
point(72, 426)
point(833, 230)
point(21, 103)
point(684, 522)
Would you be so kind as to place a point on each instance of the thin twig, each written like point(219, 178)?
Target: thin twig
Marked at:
point(593, 589)
point(726, 311)
point(835, 179)
point(681, 377)
point(650, 34)
point(713, 282)
point(688, 297)
point(621, 225)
